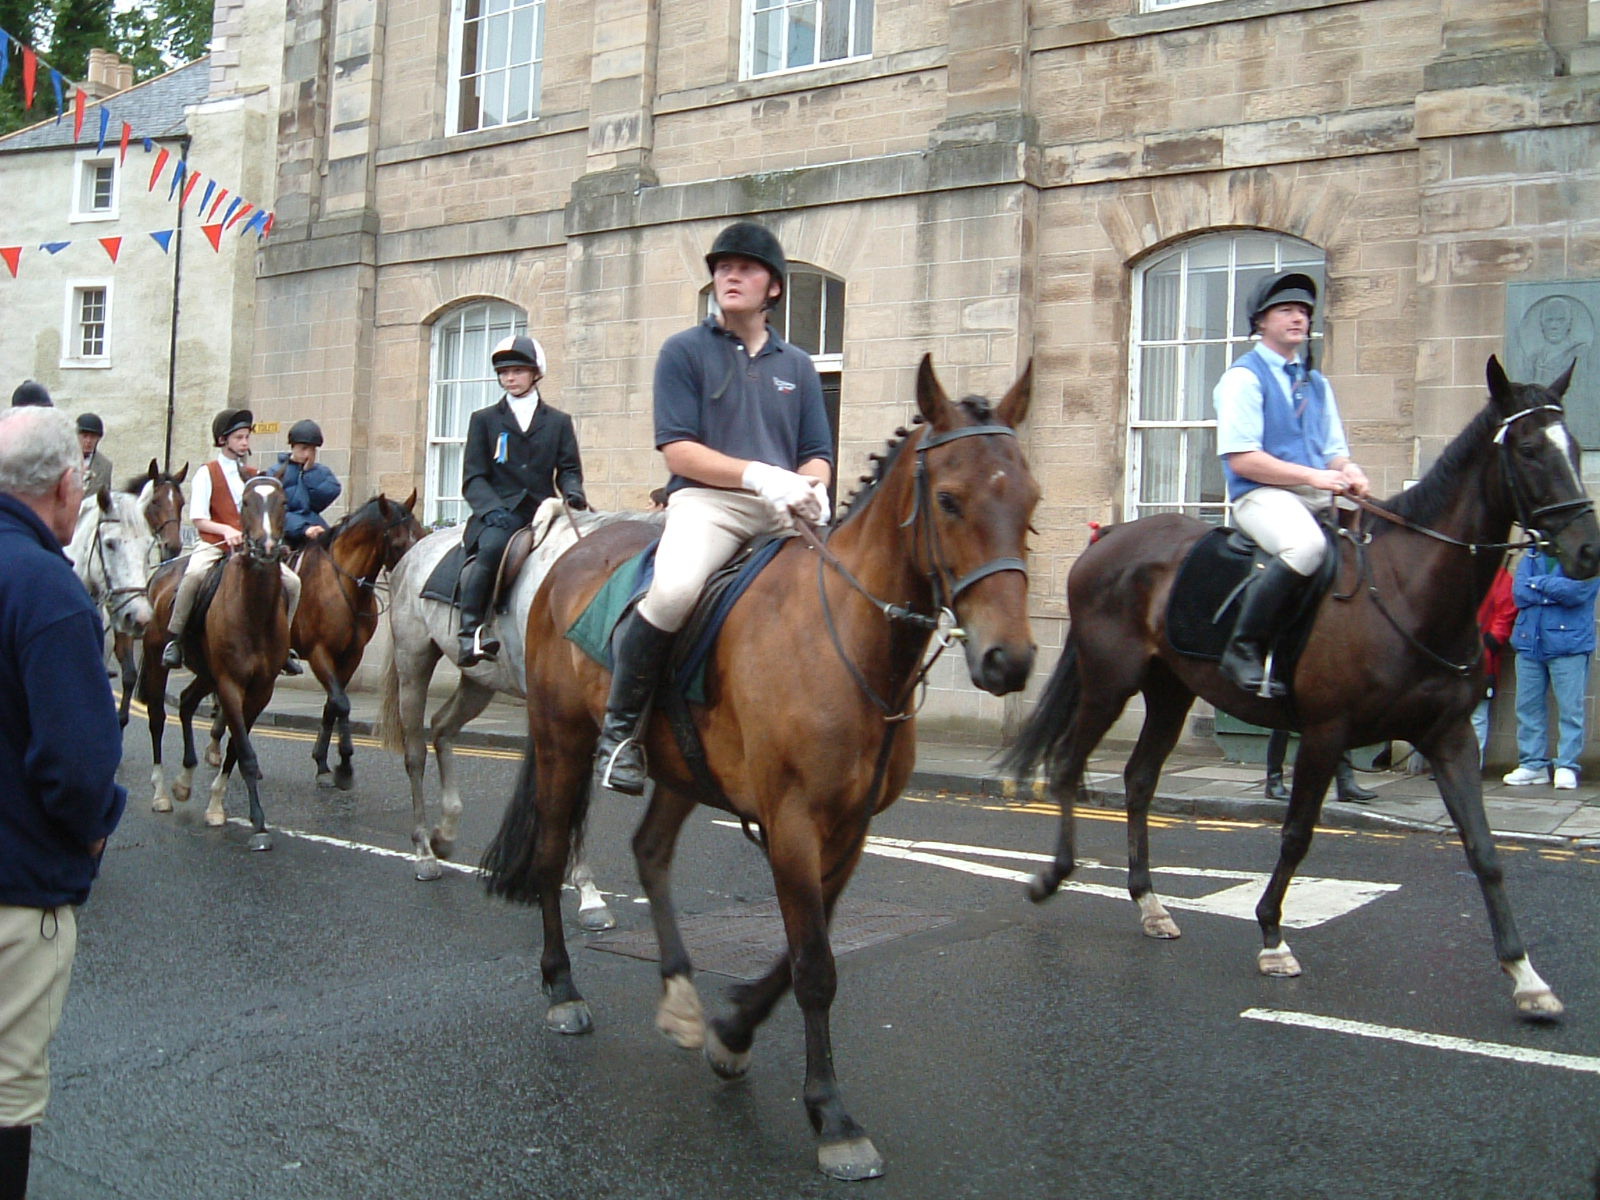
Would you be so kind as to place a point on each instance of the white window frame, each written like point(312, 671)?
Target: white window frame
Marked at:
point(72, 325)
point(533, 62)
point(82, 170)
point(789, 9)
point(1164, 5)
point(1288, 252)
point(828, 361)
point(442, 500)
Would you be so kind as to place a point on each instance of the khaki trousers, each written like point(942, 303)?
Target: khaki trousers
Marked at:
point(37, 946)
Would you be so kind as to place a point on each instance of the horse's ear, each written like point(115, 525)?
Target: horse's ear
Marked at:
point(155, 469)
point(1013, 408)
point(103, 498)
point(411, 501)
point(1558, 389)
point(1499, 385)
point(182, 471)
point(932, 401)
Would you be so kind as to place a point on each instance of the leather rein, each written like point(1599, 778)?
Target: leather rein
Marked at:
point(1533, 520)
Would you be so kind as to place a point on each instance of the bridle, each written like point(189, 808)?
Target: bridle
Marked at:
point(1534, 522)
point(117, 598)
point(370, 585)
point(252, 544)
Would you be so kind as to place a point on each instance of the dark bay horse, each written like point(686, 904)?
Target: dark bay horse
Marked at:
point(1394, 653)
point(339, 613)
point(160, 497)
point(236, 652)
point(805, 756)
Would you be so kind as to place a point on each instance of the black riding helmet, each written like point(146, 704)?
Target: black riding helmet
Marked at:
point(31, 392)
point(751, 240)
point(89, 423)
point(519, 351)
point(1286, 287)
point(230, 420)
point(305, 433)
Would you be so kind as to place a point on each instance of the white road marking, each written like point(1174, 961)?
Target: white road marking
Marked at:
point(1437, 1041)
point(1310, 902)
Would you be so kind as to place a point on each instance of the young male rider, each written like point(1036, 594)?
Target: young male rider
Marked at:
point(740, 420)
point(519, 453)
point(308, 485)
point(1285, 457)
point(214, 512)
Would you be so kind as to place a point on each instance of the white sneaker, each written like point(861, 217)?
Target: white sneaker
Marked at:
point(1566, 779)
point(1523, 776)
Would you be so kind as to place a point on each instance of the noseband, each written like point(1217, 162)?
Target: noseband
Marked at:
point(116, 598)
point(1536, 521)
point(946, 588)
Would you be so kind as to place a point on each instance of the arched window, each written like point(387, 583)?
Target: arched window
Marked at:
point(1188, 328)
point(462, 381)
point(810, 316)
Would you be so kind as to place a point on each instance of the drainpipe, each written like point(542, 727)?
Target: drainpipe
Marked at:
point(172, 338)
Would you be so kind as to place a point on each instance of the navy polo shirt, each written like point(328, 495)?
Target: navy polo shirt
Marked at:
point(768, 408)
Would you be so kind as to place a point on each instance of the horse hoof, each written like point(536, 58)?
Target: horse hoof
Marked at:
point(725, 1062)
point(443, 847)
point(344, 778)
point(1278, 963)
point(679, 1016)
point(181, 791)
point(161, 804)
point(570, 1016)
point(216, 819)
point(261, 841)
point(1163, 927)
point(850, 1159)
point(325, 780)
point(596, 920)
point(213, 755)
point(1041, 887)
point(1539, 1006)
point(428, 870)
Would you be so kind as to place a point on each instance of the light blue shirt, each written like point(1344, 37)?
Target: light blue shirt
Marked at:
point(1240, 425)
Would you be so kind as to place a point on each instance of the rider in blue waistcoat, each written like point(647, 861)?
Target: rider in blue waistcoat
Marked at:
point(308, 486)
point(1285, 458)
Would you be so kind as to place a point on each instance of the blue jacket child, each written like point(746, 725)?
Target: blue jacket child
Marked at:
point(1555, 615)
point(308, 490)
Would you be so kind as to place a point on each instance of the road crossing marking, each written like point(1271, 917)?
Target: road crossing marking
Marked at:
point(1311, 901)
point(1436, 1041)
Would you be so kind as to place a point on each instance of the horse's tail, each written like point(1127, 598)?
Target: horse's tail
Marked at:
point(1044, 736)
point(390, 729)
point(510, 864)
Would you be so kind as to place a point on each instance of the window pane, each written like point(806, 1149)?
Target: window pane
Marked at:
point(496, 41)
point(833, 318)
point(835, 29)
point(766, 44)
point(517, 96)
point(1207, 315)
point(1158, 384)
point(1255, 251)
point(1202, 367)
point(1161, 304)
point(1160, 465)
point(802, 35)
point(863, 31)
point(805, 311)
point(1205, 483)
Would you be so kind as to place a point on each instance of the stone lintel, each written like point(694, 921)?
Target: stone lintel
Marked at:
point(1516, 64)
point(329, 246)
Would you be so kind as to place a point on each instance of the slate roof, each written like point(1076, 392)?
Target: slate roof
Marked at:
point(154, 108)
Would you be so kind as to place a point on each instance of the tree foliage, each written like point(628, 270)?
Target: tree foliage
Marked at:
point(155, 36)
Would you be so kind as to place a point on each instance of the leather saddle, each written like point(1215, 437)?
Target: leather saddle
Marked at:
point(444, 581)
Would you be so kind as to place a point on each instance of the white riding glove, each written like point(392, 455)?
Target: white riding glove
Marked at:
point(787, 491)
point(819, 493)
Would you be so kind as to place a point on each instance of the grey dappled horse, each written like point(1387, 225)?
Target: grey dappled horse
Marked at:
point(110, 551)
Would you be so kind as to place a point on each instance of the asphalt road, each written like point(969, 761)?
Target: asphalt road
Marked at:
point(311, 1022)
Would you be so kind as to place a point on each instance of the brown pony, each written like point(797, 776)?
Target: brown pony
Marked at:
point(161, 497)
point(941, 529)
point(1394, 653)
point(338, 614)
point(235, 652)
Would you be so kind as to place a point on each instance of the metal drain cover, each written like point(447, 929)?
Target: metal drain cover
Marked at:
point(745, 941)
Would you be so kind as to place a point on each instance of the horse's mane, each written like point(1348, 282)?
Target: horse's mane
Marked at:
point(1427, 500)
point(367, 512)
point(978, 408)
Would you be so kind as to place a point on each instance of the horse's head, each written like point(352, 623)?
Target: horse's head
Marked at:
point(1539, 458)
point(401, 529)
point(116, 549)
point(161, 500)
point(974, 497)
point(261, 516)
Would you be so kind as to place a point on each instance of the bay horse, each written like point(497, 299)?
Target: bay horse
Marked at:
point(338, 615)
point(160, 498)
point(424, 632)
point(1394, 653)
point(940, 529)
point(110, 551)
point(236, 652)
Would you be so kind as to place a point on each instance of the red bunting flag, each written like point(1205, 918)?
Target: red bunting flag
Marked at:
point(30, 72)
point(113, 245)
point(194, 178)
point(213, 235)
point(267, 228)
point(235, 220)
point(127, 132)
point(78, 98)
point(155, 174)
point(221, 196)
point(12, 255)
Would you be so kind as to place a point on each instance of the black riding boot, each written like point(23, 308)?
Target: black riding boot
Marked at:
point(475, 643)
point(1266, 602)
point(1277, 748)
point(16, 1143)
point(1345, 786)
point(640, 651)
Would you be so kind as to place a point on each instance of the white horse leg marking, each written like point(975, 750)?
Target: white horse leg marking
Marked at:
point(1532, 994)
point(1278, 961)
point(183, 785)
point(679, 1015)
point(1155, 920)
point(593, 915)
point(219, 788)
point(161, 799)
